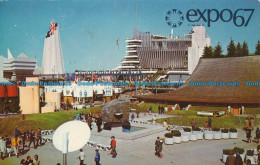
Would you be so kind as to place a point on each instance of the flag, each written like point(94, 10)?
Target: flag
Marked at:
point(52, 28)
point(95, 77)
point(117, 43)
point(76, 79)
point(72, 77)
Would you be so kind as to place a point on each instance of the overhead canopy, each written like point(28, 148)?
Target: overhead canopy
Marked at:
point(236, 69)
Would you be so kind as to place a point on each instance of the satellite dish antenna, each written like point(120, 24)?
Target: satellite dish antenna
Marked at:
point(71, 136)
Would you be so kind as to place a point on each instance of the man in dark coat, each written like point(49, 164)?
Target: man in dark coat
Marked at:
point(157, 146)
point(230, 159)
point(99, 123)
point(238, 160)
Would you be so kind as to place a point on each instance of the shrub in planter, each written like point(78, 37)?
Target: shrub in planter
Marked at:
point(177, 136)
point(233, 133)
point(168, 135)
point(196, 129)
point(239, 150)
point(176, 133)
point(224, 130)
point(168, 138)
point(232, 130)
point(187, 129)
point(228, 151)
point(250, 153)
point(216, 129)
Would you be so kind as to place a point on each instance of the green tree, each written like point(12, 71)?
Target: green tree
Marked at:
point(245, 51)
point(217, 51)
point(231, 49)
point(207, 52)
point(239, 51)
point(257, 48)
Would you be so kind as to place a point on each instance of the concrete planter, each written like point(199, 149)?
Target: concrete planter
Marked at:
point(193, 137)
point(224, 158)
point(252, 158)
point(233, 135)
point(208, 135)
point(199, 134)
point(217, 135)
point(168, 140)
point(243, 156)
point(177, 139)
point(224, 135)
point(185, 137)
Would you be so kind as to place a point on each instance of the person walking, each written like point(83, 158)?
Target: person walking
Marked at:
point(162, 110)
point(248, 135)
point(132, 117)
point(159, 109)
point(206, 124)
point(209, 123)
point(160, 147)
point(36, 160)
point(39, 137)
point(15, 144)
point(157, 146)
point(29, 161)
point(16, 132)
point(90, 122)
point(20, 146)
point(8, 146)
point(247, 122)
point(193, 124)
point(252, 123)
point(81, 157)
point(113, 147)
point(166, 109)
point(150, 110)
point(2, 147)
point(97, 157)
point(99, 123)
point(32, 139)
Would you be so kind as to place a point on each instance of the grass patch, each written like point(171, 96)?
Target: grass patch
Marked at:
point(252, 111)
point(220, 122)
point(44, 120)
point(208, 108)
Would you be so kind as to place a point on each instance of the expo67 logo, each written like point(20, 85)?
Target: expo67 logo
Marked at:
point(240, 17)
point(174, 18)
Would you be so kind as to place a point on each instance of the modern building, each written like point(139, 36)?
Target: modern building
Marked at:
point(17, 68)
point(172, 56)
point(52, 60)
point(218, 81)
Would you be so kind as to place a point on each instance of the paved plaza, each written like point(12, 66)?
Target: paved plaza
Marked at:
point(140, 151)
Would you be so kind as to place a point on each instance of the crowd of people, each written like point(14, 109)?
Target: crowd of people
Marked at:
point(29, 160)
point(22, 140)
point(90, 118)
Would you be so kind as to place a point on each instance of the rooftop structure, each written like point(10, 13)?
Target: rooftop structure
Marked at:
point(52, 60)
point(16, 68)
point(148, 51)
point(236, 70)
